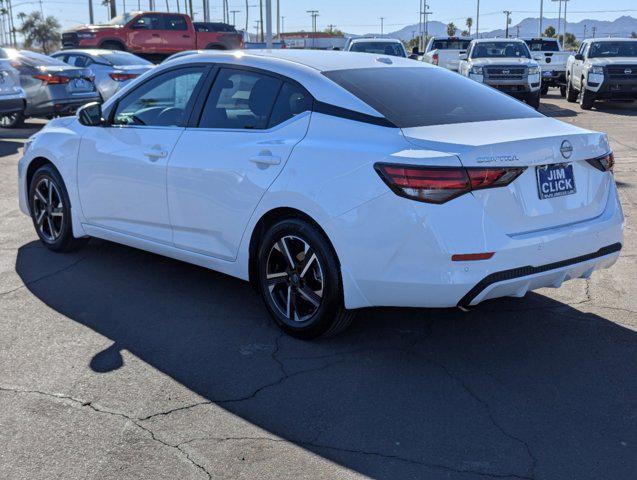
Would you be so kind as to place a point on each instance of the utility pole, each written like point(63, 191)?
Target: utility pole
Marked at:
point(261, 18)
point(594, 31)
point(247, 12)
point(382, 19)
point(584, 32)
point(541, 15)
point(565, 3)
point(206, 10)
point(278, 18)
point(234, 17)
point(268, 24)
point(426, 12)
point(167, 6)
point(478, 20)
point(11, 25)
point(282, 25)
point(517, 31)
point(91, 17)
point(113, 8)
point(506, 28)
point(314, 14)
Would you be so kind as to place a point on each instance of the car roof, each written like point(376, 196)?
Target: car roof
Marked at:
point(375, 39)
point(550, 39)
point(91, 52)
point(610, 39)
point(497, 39)
point(453, 37)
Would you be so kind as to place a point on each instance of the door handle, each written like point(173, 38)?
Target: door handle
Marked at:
point(155, 154)
point(265, 158)
point(185, 36)
point(155, 34)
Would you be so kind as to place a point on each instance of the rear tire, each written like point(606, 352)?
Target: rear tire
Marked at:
point(533, 100)
point(571, 93)
point(586, 98)
point(51, 211)
point(299, 280)
point(544, 89)
point(563, 91)
point(13, 120)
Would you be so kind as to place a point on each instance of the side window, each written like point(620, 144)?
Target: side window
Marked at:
point(175, 22)
point(162, 101)
point(291, 101)
point(148, 22)
point(240, 99)
point(586, 48)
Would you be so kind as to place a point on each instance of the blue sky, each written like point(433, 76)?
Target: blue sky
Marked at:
point(353, 16)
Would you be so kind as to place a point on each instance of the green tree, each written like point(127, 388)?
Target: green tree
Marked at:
point(465, 33)
point(451, 29)
point(568, 40)
point(40, 32)
point(334, 31)
point(549, 31)
point(469, 24)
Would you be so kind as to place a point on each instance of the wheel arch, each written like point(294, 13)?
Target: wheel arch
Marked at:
point(113, 40)
point(33, 167)
point(268, 219)
point(215, 46)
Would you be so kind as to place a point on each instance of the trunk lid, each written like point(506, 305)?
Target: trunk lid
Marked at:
point(532, 142)
point(81, 79)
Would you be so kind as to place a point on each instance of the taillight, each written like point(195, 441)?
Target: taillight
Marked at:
point(434, 59)
point(604, 163)
point(441, 184)
point(122, 77)
point(49, 79)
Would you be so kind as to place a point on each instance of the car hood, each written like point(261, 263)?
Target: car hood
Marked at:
point(503, 61)
point(93, 28)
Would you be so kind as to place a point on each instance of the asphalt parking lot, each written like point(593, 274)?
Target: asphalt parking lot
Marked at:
point(115, 363)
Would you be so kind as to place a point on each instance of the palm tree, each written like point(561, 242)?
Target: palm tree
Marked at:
point(39, 31)
point(451, 29)
point(469, 24)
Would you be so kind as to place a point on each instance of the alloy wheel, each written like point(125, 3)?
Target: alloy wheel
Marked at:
point(48, 210)
point(8, 120)
point(294, 278)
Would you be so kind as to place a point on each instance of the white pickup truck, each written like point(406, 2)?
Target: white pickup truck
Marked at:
point(504, 64)
point(602, 69)
point(552, 59)
point(445, 51)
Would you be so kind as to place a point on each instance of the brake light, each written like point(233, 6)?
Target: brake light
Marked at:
point(49, 79)
point(122, 77)
point(605, 163)
point(441, 184)
point(434, 59)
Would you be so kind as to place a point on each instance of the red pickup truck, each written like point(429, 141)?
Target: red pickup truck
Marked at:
point(151, 33)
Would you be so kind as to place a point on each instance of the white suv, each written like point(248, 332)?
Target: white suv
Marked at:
point(378, 46)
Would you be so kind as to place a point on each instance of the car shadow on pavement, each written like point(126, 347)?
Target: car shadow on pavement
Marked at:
point(517, 388)
point(627, 109)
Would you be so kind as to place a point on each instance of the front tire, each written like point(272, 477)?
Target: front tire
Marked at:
point(563, 91)
point(299, 280)
point(544, 89)
point(12, 120)
point(51, 211)
point(586, 98)
point(533, 100)
point(571, 93)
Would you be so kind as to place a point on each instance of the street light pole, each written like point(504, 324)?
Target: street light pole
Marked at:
point(91, 18)
point(268, 23)
point(314, 14)
point(541, 15)
point(506, 28)
point(478, 20)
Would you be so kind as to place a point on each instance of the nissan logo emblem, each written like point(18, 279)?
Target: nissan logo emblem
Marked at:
point(566, 149)
point(628, 71)
point(506, 72)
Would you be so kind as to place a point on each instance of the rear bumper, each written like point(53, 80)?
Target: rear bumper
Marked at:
point(406, 259)
point(61, 107)
point(555, 79)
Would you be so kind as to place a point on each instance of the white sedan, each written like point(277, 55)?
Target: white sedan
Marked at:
point(330, 180)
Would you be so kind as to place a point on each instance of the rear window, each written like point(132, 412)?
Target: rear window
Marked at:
point(381, 48)
point(38, 60)
point(543, 45)
point(450, 44)
point(214, 27)
point(421, 96)
point(123, 58)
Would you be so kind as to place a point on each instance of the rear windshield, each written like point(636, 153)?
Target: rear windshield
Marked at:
point(613, 49)
point(450, 44)
point(39, 60)
point(123, 58)
point(381, 48)
point(420, 96)
point(500, 50)
point(543, 45)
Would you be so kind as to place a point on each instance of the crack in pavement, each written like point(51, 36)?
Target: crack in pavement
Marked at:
point(95, 408)
point(44, 277)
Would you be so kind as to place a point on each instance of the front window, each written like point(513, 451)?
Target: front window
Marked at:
point(176, 22)
point(148, 22)
point(500, 50)
point(120, 20)
point(421, 96)
point(162, 101)
point(539, 45)
point(380, 48)
point(450, 44)
point(613, 49)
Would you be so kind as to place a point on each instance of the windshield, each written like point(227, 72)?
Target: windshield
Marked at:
point(381, 48)
point(420, 96)
point(123, 58)
point(543, 45)
point(120, 20)
point(450, 44)
point(613, 49)
point(500, 50)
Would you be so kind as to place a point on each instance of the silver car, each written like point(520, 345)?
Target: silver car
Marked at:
point(12, 96)
point(52, 87)
point(112, 68)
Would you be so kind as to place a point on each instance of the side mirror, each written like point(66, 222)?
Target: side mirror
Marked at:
point(463, 56)
point(579, 56)
point(90, 115)
point(414, 56)
point(336, 48)
point(414, 51)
